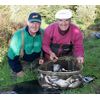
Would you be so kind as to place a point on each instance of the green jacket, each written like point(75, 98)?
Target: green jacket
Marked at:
point(31, 44)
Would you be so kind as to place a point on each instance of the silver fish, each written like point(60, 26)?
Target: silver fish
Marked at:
point(50, 80)
point(53, 78)
point(41, 76)
point(63, 83)
point(47, 79)
point(56, 67)
point(75, 84)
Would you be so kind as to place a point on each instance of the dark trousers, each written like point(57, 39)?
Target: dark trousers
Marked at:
point(15, 64)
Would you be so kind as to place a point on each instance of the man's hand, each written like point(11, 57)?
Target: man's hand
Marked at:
point(53, 57)
point(20, 74)
point(41, 61)
point(80, 60)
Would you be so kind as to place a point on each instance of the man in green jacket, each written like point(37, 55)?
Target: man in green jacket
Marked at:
point(26, 43)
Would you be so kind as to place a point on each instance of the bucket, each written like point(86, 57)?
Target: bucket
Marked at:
point(69, 64)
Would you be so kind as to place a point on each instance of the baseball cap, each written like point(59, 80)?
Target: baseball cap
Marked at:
point(63, 14)
point(34, 17)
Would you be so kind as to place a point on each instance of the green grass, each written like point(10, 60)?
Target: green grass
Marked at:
point(7, 78)
point(91, 67)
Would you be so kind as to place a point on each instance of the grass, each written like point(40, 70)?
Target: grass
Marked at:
point(6, 76)
point(91, 68)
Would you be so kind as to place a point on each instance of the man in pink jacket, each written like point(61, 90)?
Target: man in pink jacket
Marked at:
point(63, 38)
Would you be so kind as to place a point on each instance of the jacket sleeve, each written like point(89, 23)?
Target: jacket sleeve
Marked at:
point(15, 45)
point(78, 44)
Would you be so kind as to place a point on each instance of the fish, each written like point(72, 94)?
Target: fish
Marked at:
point(70, 82)
point(56, 67)
point(75, 84)
point(53, 78)
point(46, 78)
point(41, 76)
point(61, 83)
point(50, 80)
point(64, 70)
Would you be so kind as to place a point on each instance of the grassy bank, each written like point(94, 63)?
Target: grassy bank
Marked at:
point(91, 68)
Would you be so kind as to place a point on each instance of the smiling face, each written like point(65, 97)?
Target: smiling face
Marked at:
point(33, 27)
point(63, 24)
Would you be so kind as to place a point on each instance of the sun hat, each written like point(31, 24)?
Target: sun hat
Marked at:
point(63, 14)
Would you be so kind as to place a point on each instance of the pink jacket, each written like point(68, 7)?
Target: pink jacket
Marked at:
point(74, 34)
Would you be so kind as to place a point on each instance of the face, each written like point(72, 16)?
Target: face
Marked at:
point(33, 27)
point(64, 24)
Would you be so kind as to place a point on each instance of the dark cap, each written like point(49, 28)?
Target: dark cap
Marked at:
point(34, 17)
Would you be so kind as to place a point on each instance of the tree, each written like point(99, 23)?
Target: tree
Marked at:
point(85, 15)
point(97, 20)
point(20, 13)
point(48, 12)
